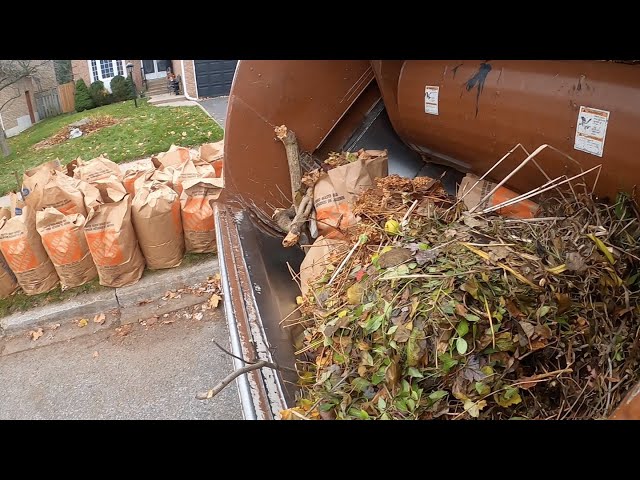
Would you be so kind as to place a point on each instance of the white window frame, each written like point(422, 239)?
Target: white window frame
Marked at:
point(115, 69)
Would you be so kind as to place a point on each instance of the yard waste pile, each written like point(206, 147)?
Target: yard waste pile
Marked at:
point(423, 310)
point(70, 224)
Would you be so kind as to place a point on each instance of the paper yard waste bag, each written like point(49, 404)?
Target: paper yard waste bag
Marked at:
point(59, 192)
point(17, 203)
point(97, 169)
point(22, 249)
point(5, 212)
point(317, 259)
point(112, 240)
point(522, 209)
point(131, 174)
point(334, 192)
point(155, 211)
point(164, 176)
point(64, 241)
point(189, 170)
point(196, 205)
point(38, 175)
point(8, 282)
point(213, 153)
point(173, 157)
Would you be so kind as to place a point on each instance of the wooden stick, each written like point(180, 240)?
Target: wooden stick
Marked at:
point(288, 139)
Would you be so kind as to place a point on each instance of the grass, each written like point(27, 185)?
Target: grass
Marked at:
point(142, 131)
point(20, 302)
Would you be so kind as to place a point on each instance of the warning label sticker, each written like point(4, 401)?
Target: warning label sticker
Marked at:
point(591, 130)
point(431, 99)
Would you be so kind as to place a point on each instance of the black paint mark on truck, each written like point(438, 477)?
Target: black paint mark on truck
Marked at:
point(477, 81)
point(455, 69)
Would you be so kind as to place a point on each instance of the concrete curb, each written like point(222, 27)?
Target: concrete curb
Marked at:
point(125, 301)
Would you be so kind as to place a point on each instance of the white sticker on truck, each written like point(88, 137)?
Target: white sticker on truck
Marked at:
point(431, 99)
point(591, 130)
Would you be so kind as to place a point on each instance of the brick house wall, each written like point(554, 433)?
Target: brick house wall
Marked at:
point(188, 78)
point(80, 70)
point(15, 115)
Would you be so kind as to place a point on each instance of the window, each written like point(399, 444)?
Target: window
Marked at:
point(94, 70)
point(120, 69)
point(106, 68)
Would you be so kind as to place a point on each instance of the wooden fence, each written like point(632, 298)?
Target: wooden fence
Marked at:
point(48, 103)
point(66, 94)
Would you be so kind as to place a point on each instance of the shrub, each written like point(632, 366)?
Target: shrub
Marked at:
point(121, 88)
point(83, 97)
point(98, 93)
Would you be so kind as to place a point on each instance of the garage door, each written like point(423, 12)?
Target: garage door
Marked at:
point(214, 77)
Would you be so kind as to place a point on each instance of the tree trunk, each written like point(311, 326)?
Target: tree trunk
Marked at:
point(4, 145)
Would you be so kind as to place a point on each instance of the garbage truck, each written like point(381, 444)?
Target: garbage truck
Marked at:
point(434, 117)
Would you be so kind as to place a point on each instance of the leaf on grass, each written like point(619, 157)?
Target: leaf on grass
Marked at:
point(355, 293)
point(461, 345)
point(474, 408)
point(360, 384)
point(36, 334)
point(461, 309)
point(373, 324)
point(447, 362)
point(472, 370)
point(413, 372)
point(528, 329)
point(558, 269)
point(100, 318)
point(462, 328)
point(413, 348)
point(472, 318)
point(575, 262)
point(603, 248)
point(544, 331)
point(437, 395)
point(508, 397)
point(471, 287)
point(513, 310)
point(482, 388)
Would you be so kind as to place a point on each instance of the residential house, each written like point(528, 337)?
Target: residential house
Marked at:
point(199, 78)
point(20, 104)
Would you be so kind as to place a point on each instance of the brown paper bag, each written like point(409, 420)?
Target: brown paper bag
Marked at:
point(8, 281)
point(190, 170)
point(5, 212)
point(196, 204)
point(173, 157)
point(22, 249)
point(97, 169)
point(213, 153)
point(334, 192)
point(131, 174)
point(59, 192)
point(155, 211)
point(39, 174)
point(17, 203)
point(111, 238)
point(164, 176)
point(317, 259)
point(472, 197)
point(63, 239)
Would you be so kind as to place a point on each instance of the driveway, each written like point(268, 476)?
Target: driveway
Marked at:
point(216, 108)
point(140, 372)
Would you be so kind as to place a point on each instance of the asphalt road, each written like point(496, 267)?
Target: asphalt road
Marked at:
point(153, 372)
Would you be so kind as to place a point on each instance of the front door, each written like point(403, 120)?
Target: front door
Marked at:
point(155, 68)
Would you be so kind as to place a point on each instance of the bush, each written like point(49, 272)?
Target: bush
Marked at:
point(83, 97)
point(98, 93)
point(121, 88)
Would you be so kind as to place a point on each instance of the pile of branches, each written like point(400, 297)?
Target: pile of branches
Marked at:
point(437, 313)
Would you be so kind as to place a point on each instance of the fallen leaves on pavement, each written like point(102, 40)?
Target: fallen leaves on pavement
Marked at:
point(36, 334)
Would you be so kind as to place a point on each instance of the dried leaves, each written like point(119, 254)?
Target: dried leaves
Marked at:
point(459, 316)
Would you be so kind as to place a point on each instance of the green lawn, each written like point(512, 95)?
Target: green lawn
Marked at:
point(143, 131)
